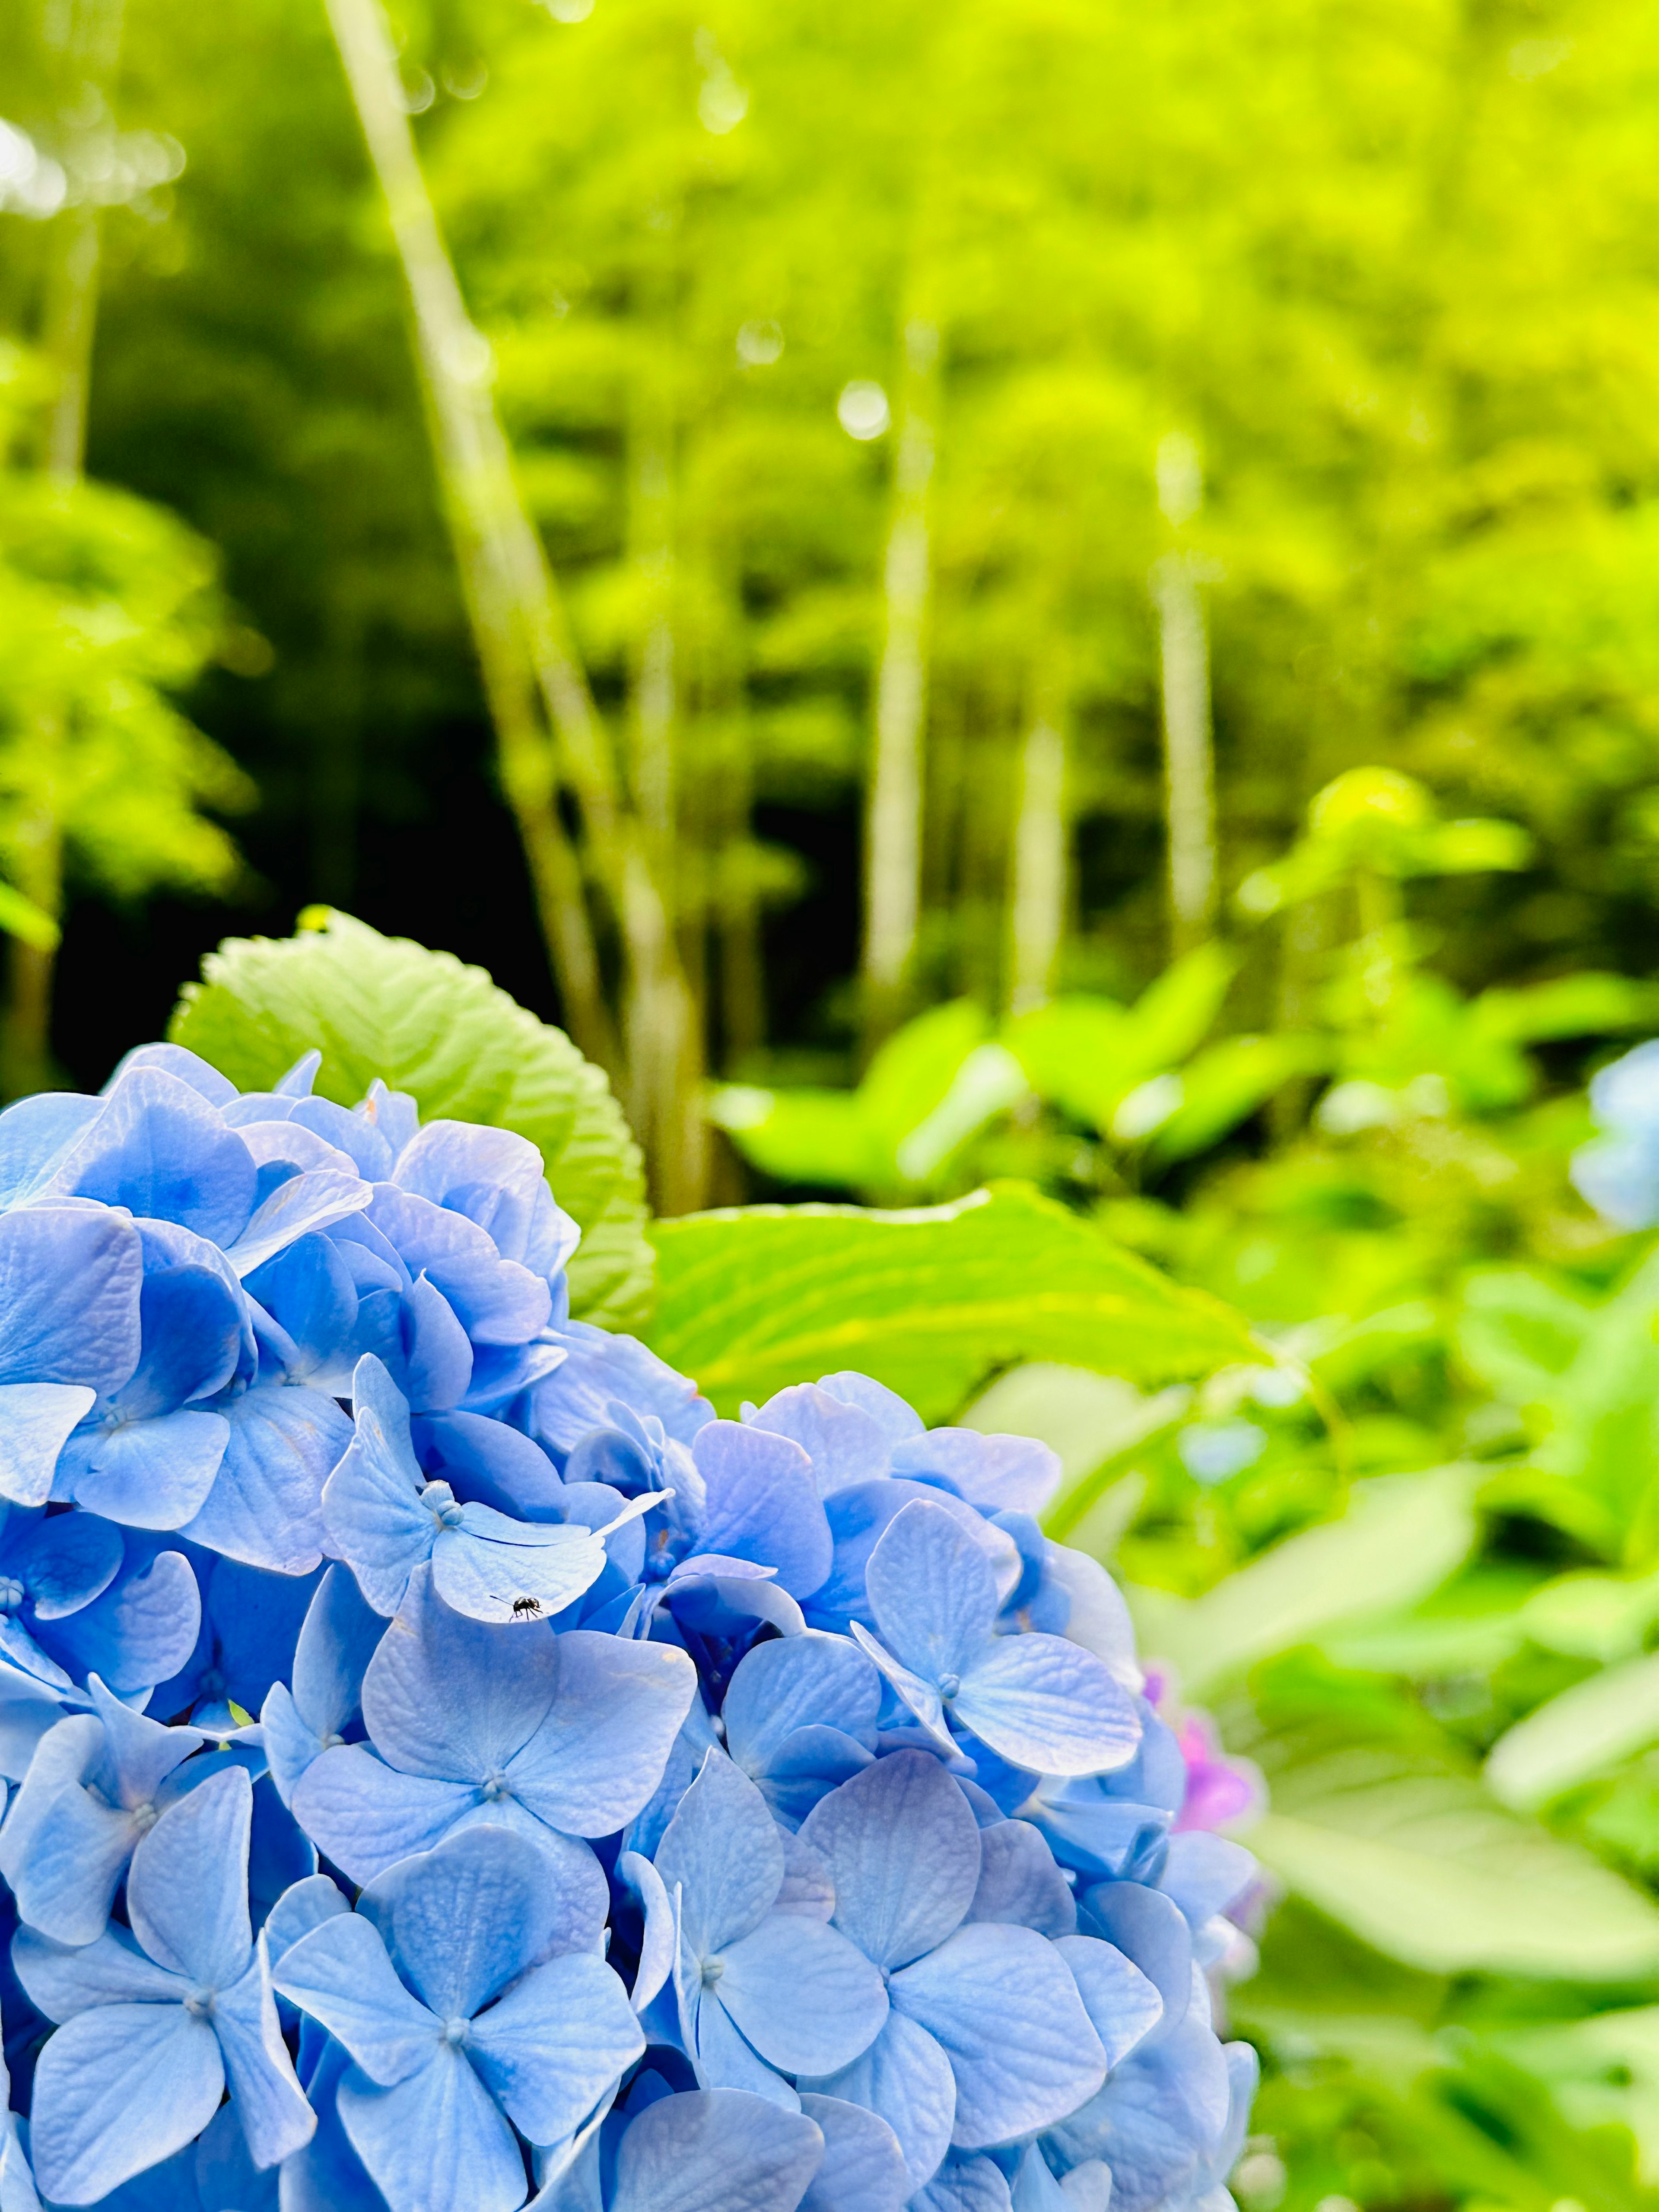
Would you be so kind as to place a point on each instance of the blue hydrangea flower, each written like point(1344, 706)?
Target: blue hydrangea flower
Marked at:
point(70, 1284)
point(470, 2006)
point(155, 2023)
point(1618, 1171)
point(77, 1598)
point(711, 2150)
point(800, 1715)
point(340, 1636)
point(764, 1987)
point(386, 1519)
point(1039, 1701)
point(556, 1737)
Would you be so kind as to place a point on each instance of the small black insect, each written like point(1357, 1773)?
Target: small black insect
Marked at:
point(525, 1608)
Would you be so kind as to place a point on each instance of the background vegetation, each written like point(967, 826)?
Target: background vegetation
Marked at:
point(1051, 596)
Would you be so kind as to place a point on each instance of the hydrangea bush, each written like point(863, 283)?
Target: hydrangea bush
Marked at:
point(449, 1768)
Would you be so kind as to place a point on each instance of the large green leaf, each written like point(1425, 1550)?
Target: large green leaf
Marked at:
point(930, 1302)
point(1401, 1537)
point(463, 1049)
point(1583, 1731)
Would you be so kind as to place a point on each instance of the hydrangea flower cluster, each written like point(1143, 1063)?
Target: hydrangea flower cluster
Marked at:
point(1618, 1171)
point(448, 1767)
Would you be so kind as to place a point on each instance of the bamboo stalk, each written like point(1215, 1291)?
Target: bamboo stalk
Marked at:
point(1188, 754)
point(1038, 905)
point(894, 822)
point(519, 619)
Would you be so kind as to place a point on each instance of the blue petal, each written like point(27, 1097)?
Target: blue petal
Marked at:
point(308, 1904)
point(715, 2151)
point(341, 1975)
point(309, 1291)
point(158, 1149)
point(314, 1199)
point(762, 1503)
point(35, 1135)
point(1205, 1874)
point(1122, 2005)
point(437, 1352)
point(997, 1473)
point(372, 1501)
point(268, 2099)
point(447, 1696)
point(435, 2139)
point(920, 1698)
point(724, 1850)
point(885, 1408)
point(64, 1979)
point(801, 1995)
point(153, 1473)
point(65, 1562)
point(903, 1848)
point(600, 1751)
point(461, 1921)
point(489, 1563)
point(496, 1179)
point(192, 1331)
point(810, 1763)
point(1019, 1883)
point(720, 2056)
point(1003, 2005)
point(1152, 1934)
point(366, 1816)
point(797, 1682)
point(485, 1460)
point(659, 1942)
point(1046, 1704)
point(138, 1632)
point(173, 1060)
point(117, 2090)
point(497, 1301)
point(265, 1507)
point(932, 1591)
point(70, 1279)
point(863, 2168)
point(67, 1874)
point(187, 1889)
point(340, 1637)
point(906, 2078)
point(965, 2184)
point(36, 1421)
point(599, 1368)
point(556, 2044)
point(1158, 2119)
point(844, 1444)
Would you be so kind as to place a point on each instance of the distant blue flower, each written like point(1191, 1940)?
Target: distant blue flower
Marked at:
point(470, 2007)
point(556, 1737)
point(761, 1990)
point(386, 1519)
point(1618, 1171)
point(1038, 1701)
point(705, 2151)
point(989, 2037)
point(162, 2017)
point(96, 1787)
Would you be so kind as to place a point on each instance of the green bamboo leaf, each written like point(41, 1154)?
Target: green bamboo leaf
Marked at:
point(464, 1049)
point(930, 1302)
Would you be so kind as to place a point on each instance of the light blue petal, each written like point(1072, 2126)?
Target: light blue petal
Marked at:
point(906, 2078)
point(372, 1501)
point(462, 1920)
point(158, 1149)
point(1019, 1883)
point(487, 1460)
point(920, 1697)
point(76, 1854)
point(366, 1816)
point(340, 1974)
point(436, 2139)
point(65, 1753)
point(290, 1746)
point(660, 1941)
point(497, 1301)
point(1043, 1703)
point(602, 1746)
point(812, 1762)
point(326, 2175)
point(63, 1979)
point(139, 1631)
point(315, 1199)
point(298, 1910)
point(932, 1591)
point(265, 1508)
point(268, 2099)
point(903, 1848)
point(724, 1851)
point(153, 1473)
point(192, 1319)
point(863, 2167)
point(1152, 1934)
point(599, 1367)
point(189, 1066)
point(1205, 1874)
point(66, 1561)
point(488, 1565)
point(495, 1177)
point(446, 1696)
point(1002, 2004)
point(845, 1444)
point(966, 2185)
point(1157, 2120)
point(555, 2045)
point(117, 2090)
point(762, 1503)
point(885, 1408)
point(339, 1638)
point(308, 1290)
point(36, 1420)
point(1122, 2005)
point(1001, 1474)
point(227, 2180)
point(715, 2151)
point(70, 1279)
point(801, 1995)
point(187, 1889)
point(143, 1752)
point(797, 1682)
point(722, 2060)
point(36, 1133)
point(437, 1352)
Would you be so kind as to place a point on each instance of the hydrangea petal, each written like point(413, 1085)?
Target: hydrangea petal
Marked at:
point(1152, 1934)
point(70, 1279)
point(118, 2090)
point(932, 1591)
point(715, 2151)
point(139, 1631)
point(600, 1751)
point(810, 1681)
point(63, 1979)
point(896, 1901)
point(1002, 2004)
point(762, 1503)
point(863, 2167)
point(36, 1421)
point(906, 2078)
point(366, 1816)
point(314, 1199)
point(265, 1507)
point(1019, 1883)
point(160, 1149)
point(555, 2044)
point(845, 1444)
point(1122, 2005)
point(801, 1995)
point(340, 1974)
point(447, 1696)
point(437, 2138)
point(967, 2185)
point(267, 2100)
point(461, 1921)
point(187, 1889)
point(723, 1850)
point(1042, 1703)
point(154, 1474)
